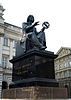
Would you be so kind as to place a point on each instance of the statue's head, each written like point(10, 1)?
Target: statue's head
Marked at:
point(30, 19)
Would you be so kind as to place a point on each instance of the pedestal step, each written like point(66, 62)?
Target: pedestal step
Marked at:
point(35, 93)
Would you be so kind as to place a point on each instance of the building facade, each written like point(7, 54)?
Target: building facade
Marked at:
point(9, 35)
point(63, 68)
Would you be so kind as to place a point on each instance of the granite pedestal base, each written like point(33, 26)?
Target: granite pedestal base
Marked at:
point(35, 93)
point(34, 77)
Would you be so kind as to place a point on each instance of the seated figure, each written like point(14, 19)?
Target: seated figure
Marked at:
point(31, 38)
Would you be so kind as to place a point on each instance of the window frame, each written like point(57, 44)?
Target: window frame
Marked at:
point(5, 41)
point(5, 61)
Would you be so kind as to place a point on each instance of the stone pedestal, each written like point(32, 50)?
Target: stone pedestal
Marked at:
point(35, 93)
point(34, 77)
point(34, 68)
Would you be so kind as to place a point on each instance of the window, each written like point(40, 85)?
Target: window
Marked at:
point(65, 74)
point(4, 61)
point(66, 64)
point(60, 66)
point(57, 75)
point(5, 42)
point(14, 44)
point(60, 75)
point(70, 73)
point(56, 67)
point(70, 63)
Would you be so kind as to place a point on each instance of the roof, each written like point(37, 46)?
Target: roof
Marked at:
point(62, 48)
point(12, 25)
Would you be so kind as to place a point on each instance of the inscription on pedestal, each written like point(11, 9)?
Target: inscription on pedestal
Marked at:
point(33, 66)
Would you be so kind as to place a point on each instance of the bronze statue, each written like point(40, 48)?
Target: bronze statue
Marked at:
point(31, 38)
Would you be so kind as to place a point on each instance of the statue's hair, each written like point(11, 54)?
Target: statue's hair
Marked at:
point(30, 16)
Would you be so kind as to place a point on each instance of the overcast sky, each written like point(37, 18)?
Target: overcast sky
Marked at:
point(56, 12)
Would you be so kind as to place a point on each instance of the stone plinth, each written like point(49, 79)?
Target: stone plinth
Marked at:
point(34, 77)
point(35, 93)
point(34, 68)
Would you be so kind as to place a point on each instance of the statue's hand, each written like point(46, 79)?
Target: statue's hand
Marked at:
point(36, 23)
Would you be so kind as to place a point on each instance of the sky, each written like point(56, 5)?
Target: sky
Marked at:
point(56, 12)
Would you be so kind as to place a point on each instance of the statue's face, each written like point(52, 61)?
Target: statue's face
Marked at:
point(30, 19)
